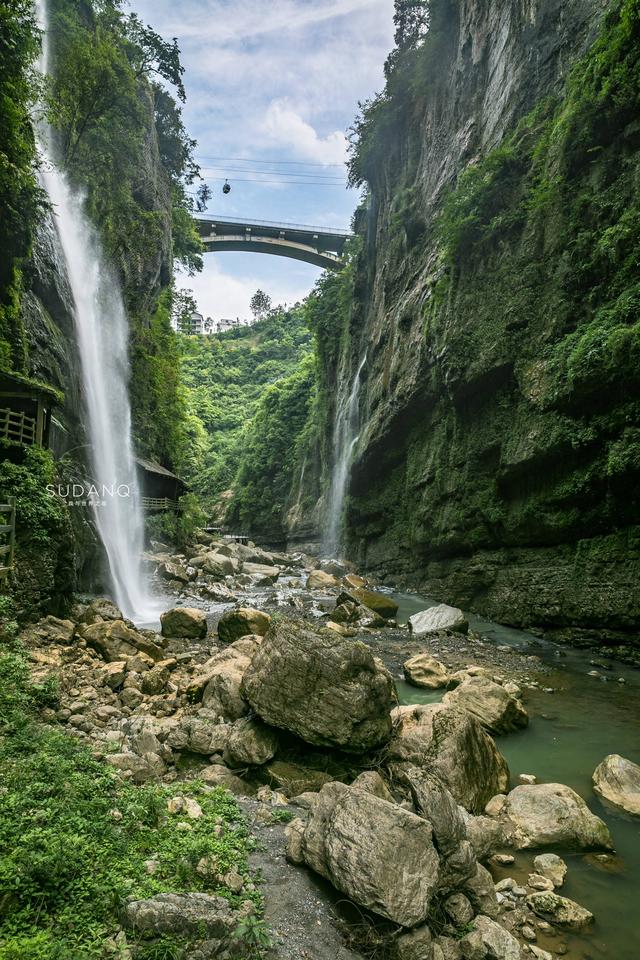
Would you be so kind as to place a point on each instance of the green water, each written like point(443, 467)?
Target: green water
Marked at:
point(570, 732)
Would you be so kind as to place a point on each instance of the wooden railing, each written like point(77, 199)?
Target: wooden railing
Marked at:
point(8, 533)
point(159, 503)
point(16, 426)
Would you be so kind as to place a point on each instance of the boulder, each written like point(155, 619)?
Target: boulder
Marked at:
point(219, 566)
point(380, 603)
point(241, 622)
point(489, 702)
point(250, 743)
point(218, 592)
point(325, 688)
point(441, 617)
point(377, 853)
point(489, 941)
point(114, 640)
point(101, 609)
point(293, 779)
point(184, 622)
point(423, 670)
point(559, 910)
point(173, 571)
point(481, 893)
point(549, 815)
point(319, 580)
point(372, 782)
point(52, 630)
point(197, 735)
point(451, 744)
point(217, 775)
point(353, 580)
point(182, 914)
point(219, 683)
point(617, 781)
point(551, 866)
point(263, 573)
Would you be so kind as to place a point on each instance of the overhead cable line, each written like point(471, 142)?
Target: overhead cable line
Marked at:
point(299, 163)
point(300, 183)
point(278, 173)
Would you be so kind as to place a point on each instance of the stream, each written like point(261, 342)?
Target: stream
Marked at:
point(570, 731)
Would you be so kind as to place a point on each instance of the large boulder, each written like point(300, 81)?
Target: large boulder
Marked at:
point(241, 622)
point(218, 566)
point(184, 623)
point(380, 603)
point(617, 781)
point(323, 687)
point(319, 580)
point(451, 744)
point(489, 941)
point(423, 670)
point(441, 617)
point(377, 853)
point(559, 910)
point(250, 743)
point(548, 815)
point(498, 711)
point(114, 640)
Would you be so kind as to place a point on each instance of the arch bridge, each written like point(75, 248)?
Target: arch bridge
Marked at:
point(323, 248)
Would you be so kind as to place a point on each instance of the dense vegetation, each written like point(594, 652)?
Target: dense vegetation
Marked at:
point(225, 378)
point(19, 194)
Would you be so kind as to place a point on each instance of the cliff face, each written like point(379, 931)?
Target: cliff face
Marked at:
point(498, 455)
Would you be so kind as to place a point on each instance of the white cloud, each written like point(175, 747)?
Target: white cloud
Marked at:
point(222, 294)
point(286, 129)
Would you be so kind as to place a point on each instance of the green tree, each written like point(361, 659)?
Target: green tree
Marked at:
point(260, 304)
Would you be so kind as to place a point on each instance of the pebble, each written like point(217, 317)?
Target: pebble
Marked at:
point(528, 933)
point(527, 778)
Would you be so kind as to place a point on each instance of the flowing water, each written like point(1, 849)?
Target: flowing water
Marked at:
point(570, 732)
point(102, 337)
point(345, 438)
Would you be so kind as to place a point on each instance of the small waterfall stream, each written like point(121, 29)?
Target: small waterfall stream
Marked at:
point(102, 337)
point(345, 438)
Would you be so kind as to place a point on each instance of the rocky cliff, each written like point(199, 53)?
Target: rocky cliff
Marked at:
point(496, 299)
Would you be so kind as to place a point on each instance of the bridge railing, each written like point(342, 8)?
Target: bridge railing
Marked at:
point(333, 232)
point(159, 503)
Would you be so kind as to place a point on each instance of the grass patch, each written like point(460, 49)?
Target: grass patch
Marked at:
point(75, 840)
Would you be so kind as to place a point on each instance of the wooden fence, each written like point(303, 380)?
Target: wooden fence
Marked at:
point(159, 503)
point(7, 533)
point(17, 426)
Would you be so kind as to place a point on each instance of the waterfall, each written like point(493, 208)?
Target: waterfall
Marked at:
point(102, 337)
point(345, 438)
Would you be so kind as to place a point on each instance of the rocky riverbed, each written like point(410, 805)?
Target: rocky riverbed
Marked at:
point(363, 751)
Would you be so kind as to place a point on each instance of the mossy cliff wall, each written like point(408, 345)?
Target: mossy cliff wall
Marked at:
point(499, 288)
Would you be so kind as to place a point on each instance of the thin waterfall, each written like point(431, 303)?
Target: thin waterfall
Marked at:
point(345, 438)
point(102, 335)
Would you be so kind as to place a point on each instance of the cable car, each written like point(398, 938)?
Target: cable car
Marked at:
point(227, 187)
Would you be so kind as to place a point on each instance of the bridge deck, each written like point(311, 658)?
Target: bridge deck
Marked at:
point(217, 229)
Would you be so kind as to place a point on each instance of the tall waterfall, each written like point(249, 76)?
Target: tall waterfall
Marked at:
point(102, 336)
point(345, 438)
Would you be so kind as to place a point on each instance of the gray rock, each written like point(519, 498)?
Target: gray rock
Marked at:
point(187, 622)
point(198, 735)
point(559, 910)
point(217, 775)
point(326, 689)
point(250, 743)
point(115, 640)
point(372, 782)
point(451, 744)
point(489, 941)
point(415, 945)
point(550, 815)
point(441, 617)
point(617, 781)
point(242, 622)
point(425, 671)
point(378, 854)
point(458, 909)
point(489, 702)
point(551, 866)
point(481, 892)
point(186, 914)
point(319, 580)
point(294, 778)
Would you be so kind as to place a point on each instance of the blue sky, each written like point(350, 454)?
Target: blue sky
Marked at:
point(270, 81)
